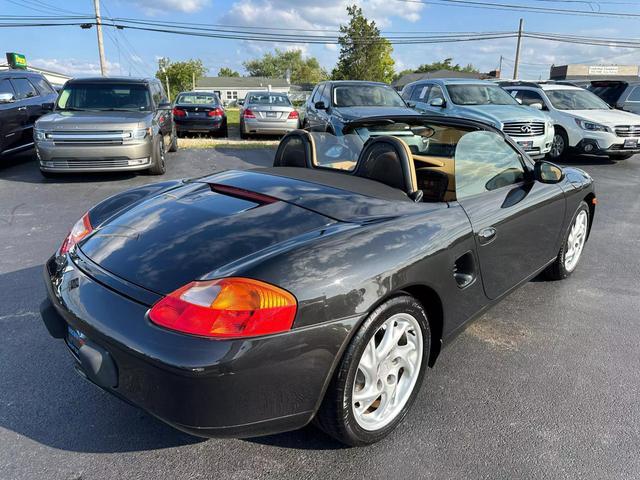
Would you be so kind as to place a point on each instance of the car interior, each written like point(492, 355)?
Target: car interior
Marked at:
point(417, 159)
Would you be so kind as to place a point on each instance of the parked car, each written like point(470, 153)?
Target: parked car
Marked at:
point(332, 105)
point(22, 95)
point(267, 113)
point(487, 102)
point(250, 302)
point(583, 122)
point(618, 94)
point(199, 112)
point(107, 124)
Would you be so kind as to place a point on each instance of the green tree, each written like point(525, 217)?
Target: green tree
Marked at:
point(277, 64)
point(181, 75)
point(446, 64)
point(227, 72)
point(364, 53)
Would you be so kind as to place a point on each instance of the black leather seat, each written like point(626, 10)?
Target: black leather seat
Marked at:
point(433, 183)
point(388, 160)
point(296, 149)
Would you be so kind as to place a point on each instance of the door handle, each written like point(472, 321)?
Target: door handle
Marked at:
point(487, 235)
point(22, 108)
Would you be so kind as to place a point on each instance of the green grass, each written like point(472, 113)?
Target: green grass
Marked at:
point(233, 116)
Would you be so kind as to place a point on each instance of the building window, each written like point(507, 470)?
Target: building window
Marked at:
point(232, 95)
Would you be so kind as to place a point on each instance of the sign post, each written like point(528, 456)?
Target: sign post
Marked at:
point(16, 60)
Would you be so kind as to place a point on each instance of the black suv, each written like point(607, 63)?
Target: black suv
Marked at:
point(22, 95)
point(618, 94)
point(333, 104)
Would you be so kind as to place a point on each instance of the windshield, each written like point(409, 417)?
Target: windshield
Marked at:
point(479, 95)
point(104, 96)
point(571, 99)
point(366, 96)
point(197, 99)
point(609, 92)
point(269, 99)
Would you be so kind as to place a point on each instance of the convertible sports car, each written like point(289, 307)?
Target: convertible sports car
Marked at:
point(246, 303)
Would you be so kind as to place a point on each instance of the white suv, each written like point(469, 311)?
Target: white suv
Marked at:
point(583, 122)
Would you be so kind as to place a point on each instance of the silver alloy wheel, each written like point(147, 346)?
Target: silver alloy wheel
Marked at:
point(575, 242)
point(558, 146)
point(387, 372)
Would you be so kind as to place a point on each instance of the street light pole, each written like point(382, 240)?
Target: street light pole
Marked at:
point(103, 63)
point(519, 44)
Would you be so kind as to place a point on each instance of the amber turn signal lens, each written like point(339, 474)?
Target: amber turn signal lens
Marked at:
point(226, 308)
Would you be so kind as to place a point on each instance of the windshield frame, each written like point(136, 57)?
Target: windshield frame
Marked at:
point(79, 86)
point(512, 101)
point(386, 88)
point(576, 91)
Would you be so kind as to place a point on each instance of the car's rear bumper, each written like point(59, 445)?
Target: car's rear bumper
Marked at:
point(206, 387)
point(265, 127)
point(200, 125)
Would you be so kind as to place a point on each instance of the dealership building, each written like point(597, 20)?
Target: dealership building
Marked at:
point(594, 72)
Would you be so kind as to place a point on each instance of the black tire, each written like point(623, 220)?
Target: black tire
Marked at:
point(173, 146)
point(243, 135)
point(557, 270)
point(224, 131)
point(48, 174)
point(305, 125)
point(335, 416)
point(621, 156)
point(561, 137)
point(158, 166)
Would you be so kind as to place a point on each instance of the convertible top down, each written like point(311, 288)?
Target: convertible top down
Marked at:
point(251, 302)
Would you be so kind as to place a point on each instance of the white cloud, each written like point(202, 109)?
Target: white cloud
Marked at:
point(74, 67)
point(153, 7)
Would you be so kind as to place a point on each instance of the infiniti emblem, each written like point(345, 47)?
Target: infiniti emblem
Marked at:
point(525, 128)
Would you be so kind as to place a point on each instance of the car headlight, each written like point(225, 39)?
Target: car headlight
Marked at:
point(592, 127)
point(39, 135)
point(140, 133)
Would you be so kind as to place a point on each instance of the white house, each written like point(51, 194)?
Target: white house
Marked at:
point(230, 89)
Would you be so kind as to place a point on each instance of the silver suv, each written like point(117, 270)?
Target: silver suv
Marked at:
point(106, 124)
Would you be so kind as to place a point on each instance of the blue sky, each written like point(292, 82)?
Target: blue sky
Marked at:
point(74, 51)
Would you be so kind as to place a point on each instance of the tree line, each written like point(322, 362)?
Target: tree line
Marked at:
point(364, 55)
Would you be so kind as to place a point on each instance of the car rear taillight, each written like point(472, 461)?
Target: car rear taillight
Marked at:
point(226, 308)
point(80, 229)
point(216, 112)
point(294, 115)
point(178, 112)
point(248, 113)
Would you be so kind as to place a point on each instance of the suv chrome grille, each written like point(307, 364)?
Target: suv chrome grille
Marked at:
point(111, 137)
point(94, 163)
point(628, 130)
point(524, 129)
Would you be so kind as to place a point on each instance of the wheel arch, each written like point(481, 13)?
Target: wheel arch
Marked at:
point(589, 199)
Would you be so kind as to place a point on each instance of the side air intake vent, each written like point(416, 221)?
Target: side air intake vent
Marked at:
point(464, 270)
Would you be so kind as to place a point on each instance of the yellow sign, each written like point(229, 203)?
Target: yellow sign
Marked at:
point(17, 60)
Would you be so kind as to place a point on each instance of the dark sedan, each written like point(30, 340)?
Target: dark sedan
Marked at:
point(331, 105)
point(200, 112)
point(252, 302)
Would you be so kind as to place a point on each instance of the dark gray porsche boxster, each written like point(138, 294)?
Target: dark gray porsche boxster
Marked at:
point(251, 302)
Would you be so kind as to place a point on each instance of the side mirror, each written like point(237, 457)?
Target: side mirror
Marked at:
point(411, 104)
point(519, 100)
point(537, 105)
point(47, 107)
point(320, 106)
point(240, 102)
point(437, 102)
point(7, 98)
point(547, 172)
point(164, 106)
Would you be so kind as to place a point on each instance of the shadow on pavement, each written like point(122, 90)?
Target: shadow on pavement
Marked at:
point(43, 398)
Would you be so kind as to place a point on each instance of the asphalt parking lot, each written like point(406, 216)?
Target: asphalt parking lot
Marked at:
point(545, 385)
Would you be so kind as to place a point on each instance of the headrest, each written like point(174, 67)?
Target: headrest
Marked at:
point(296, 149)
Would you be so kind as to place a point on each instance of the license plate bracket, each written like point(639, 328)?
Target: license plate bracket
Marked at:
point(631, 143)
point(272, 114)
point(526, 145)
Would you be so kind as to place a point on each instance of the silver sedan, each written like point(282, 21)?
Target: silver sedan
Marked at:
point(269, 113)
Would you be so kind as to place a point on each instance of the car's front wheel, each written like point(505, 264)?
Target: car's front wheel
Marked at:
point(572, 247)
point(559, 146)
point(380, 374)
point(158, 165)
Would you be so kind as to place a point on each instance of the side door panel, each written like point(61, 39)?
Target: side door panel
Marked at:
point(12, 119)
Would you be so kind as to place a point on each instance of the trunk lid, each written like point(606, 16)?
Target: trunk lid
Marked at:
point(176, 237)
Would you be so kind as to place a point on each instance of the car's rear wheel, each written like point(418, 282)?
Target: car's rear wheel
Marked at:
point(224, 131)
point(380, 374)
point(572, 247)
point(243, 135)
point(559, 146)
point(173, 147)
point(158, 166)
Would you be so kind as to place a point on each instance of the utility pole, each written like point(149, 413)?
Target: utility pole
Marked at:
point(193, 80)
point(517, 60)
point(500, 67)
point(103, 63)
